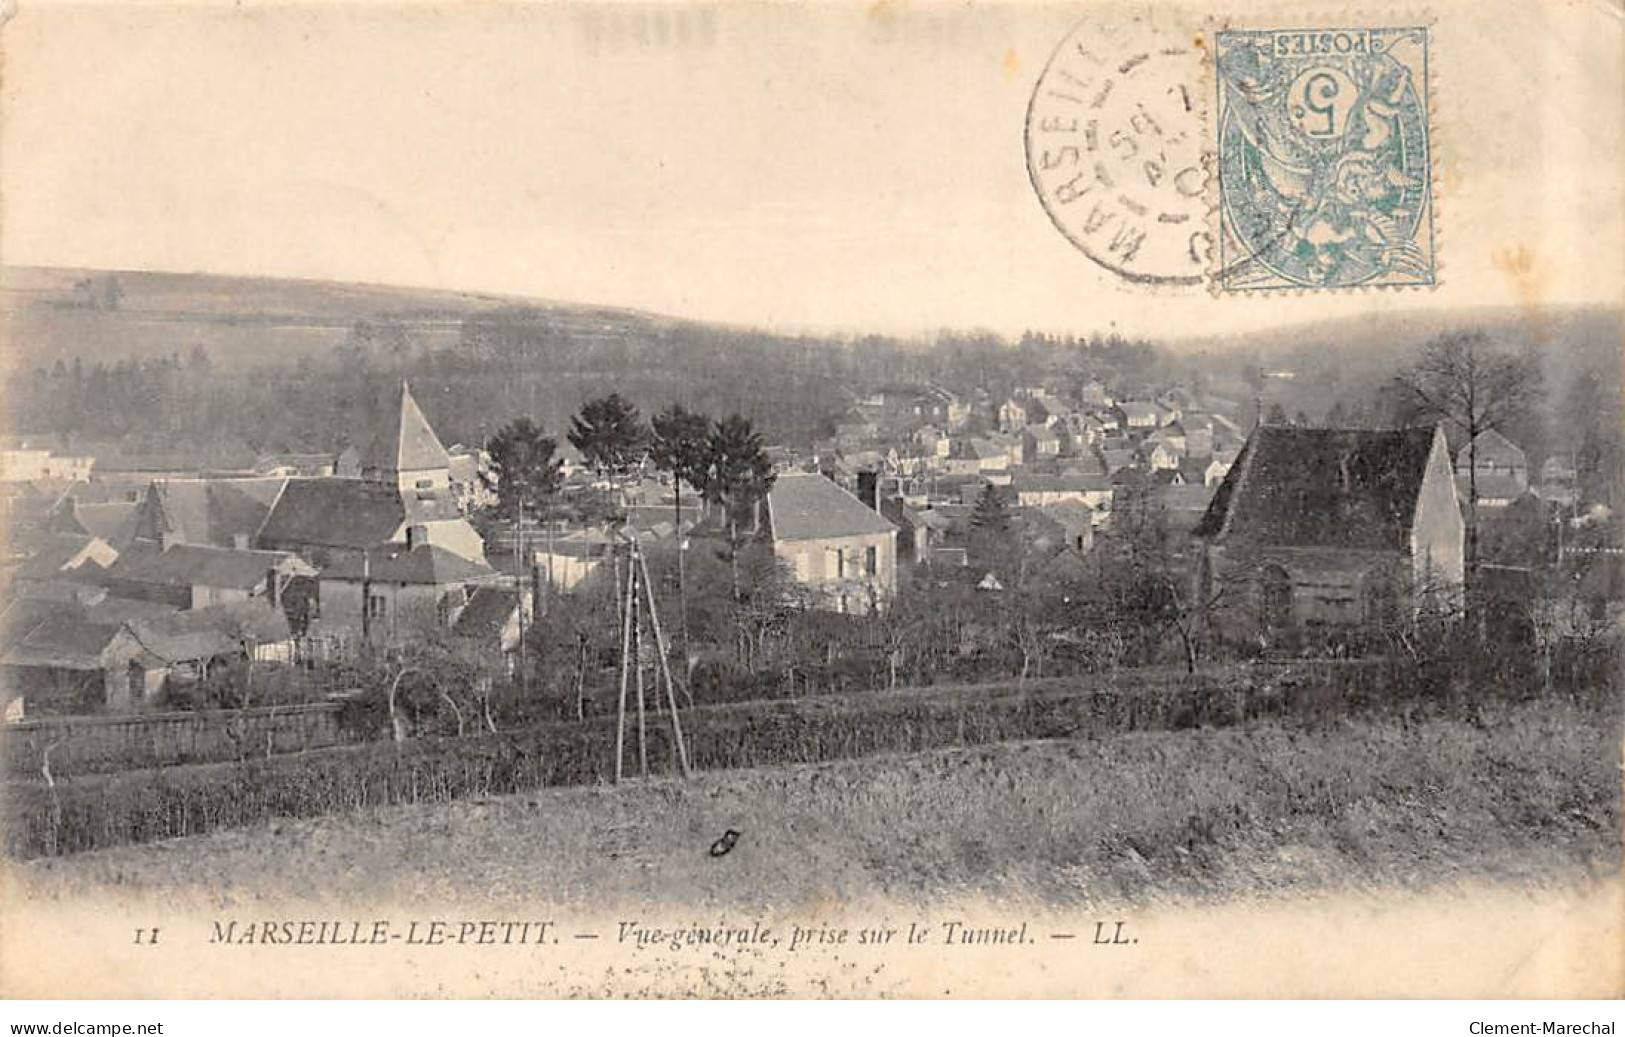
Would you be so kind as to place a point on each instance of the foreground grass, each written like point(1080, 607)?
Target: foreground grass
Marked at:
point(1529, 795)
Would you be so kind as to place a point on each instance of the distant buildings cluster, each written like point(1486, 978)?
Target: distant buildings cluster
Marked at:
point(118, 582)
point(119, 578)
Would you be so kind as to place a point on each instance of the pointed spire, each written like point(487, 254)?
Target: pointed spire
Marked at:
point(404, 441)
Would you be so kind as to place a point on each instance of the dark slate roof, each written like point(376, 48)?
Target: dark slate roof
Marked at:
point(22, 615)
point(196, 634)
point(44, 555)
point(1309, 487)
point(205, 511)
point(811, 507)
point(394, 563)
point(403, 440)
point(114, 522)
point(486, 613)
point(65, 641)
point(187, 565)
point(334, 512)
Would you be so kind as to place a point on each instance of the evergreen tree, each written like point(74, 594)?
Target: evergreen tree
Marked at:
point(681, 445)
point(991, 516)
point(610, 434)
point(525, 471)
point(740, 476)
point(739, 472)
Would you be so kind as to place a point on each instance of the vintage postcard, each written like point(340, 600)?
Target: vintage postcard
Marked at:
point(846, 500)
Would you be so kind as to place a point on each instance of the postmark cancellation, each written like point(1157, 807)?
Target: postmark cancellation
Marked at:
point(1116, 147)
point(1175, 154)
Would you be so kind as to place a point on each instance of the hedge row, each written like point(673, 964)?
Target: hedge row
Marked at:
point(131, 807)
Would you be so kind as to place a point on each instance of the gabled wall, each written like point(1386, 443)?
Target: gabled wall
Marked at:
point(1438, 532)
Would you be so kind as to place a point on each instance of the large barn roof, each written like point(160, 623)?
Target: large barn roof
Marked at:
point(334, 512)
point(1309, 487)
point(187, 565)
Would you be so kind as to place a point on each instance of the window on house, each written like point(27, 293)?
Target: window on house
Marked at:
point(804, 567)
point(425, 484)
point(871, 560)
point(375, 606)
point(1274, 597)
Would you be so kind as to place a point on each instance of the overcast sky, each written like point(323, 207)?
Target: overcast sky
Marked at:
point(828, 167)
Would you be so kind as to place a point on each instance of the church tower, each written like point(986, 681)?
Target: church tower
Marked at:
point(405, 452)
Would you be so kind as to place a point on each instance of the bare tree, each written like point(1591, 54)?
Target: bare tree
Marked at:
point(1465, 380)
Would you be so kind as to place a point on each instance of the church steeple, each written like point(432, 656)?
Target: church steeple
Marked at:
point(405, 451)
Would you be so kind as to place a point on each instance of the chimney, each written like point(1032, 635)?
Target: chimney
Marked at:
point(416, 535)
point(869, 489)
point(270, 586)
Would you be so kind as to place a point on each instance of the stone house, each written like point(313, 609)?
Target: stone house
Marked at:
point(62, 663)
point(400, 586)
point(1320, 527)
point(843, 551)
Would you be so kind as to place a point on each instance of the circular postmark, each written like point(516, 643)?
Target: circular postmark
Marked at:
point(1117, 149)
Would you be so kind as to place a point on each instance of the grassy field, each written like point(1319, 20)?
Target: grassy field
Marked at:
point(1530, 794)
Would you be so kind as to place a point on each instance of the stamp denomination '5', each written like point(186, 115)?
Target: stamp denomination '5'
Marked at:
point(1324, 158)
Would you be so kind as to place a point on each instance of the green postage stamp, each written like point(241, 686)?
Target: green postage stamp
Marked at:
point(1323, 159)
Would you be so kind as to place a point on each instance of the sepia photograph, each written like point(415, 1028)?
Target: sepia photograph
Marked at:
point(897, 499)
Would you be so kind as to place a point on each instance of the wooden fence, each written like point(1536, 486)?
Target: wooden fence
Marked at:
point(91, 744)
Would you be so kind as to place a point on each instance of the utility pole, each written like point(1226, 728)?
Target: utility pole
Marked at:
point(519, 577)
point(638, 593)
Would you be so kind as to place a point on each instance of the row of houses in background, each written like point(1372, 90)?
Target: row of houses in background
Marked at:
point(121, 582)
point(1336, 526)
point(107, 599)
